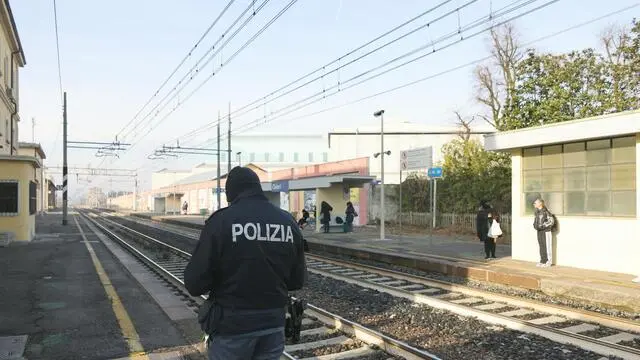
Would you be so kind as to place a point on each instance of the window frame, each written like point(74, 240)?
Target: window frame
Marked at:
point(528, 173)
point(33, 197)
point(17, 213)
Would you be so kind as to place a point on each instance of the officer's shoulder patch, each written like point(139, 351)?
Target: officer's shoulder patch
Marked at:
point(215, 213)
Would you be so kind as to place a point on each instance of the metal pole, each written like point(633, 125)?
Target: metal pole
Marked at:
point(381, 176)
point(65, 169)
point(218, 156)
point(229, 142)
point(400, 214)
point(433, 210)
point(135, 193)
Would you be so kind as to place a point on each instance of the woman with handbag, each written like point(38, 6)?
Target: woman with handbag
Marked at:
point(494, 233)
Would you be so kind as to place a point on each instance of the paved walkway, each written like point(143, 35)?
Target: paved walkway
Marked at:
point(65, 298)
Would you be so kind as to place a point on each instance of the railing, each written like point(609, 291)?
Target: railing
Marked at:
point(462, 222)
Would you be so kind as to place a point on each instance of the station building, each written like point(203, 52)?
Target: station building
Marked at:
point(18, 167)
point(587, 172)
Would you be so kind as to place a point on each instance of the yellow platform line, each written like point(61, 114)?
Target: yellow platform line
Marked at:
point(124, 321)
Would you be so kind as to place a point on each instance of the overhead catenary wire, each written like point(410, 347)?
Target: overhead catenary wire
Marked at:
point(244, 46)
point(175, 70)
point(456, 68)
point(514, 6)
point(168, 96)
point(319, 96)
point(262, 100)
point(450, 70)
point(55, 23)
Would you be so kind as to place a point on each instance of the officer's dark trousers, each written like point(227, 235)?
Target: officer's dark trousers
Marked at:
point(259, 345)
point(545, 242)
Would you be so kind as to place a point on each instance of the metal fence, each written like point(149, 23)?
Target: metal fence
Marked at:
point(458, 221)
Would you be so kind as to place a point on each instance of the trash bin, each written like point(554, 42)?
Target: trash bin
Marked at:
point(204, 212)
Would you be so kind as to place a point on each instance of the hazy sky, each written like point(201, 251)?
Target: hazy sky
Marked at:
point(115, 54)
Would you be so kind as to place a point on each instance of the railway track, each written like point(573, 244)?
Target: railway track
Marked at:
point(588, 330)
point(325, 335)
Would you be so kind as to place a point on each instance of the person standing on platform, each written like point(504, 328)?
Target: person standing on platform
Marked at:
point(185, 207)
point(482, 226)
point(495, 232)
point(249, 256)
point(325, 211)
point(544, 222)
point(350, 214)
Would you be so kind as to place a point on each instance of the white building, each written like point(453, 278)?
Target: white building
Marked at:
point(365, 142)
point(587, 172)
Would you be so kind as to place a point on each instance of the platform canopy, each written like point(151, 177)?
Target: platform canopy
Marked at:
point(611, 125)
point(312, 183)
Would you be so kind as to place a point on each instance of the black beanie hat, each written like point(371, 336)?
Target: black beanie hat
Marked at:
point(239, 180)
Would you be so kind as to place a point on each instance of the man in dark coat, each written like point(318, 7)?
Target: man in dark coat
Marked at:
point(482, 226)
point(249, 256)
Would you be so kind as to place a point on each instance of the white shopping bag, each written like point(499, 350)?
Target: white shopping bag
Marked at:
point(495, 230)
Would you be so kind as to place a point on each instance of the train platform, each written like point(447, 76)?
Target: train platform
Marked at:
point(65, 295)
point(463, 256)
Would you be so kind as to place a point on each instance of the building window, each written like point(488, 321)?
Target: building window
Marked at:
point(252, 157)
point(33, 198)
point(325, 157)
point(296, 157)
point(266, 157)
point(310, 157)
point(593, 178)
point(8, 198)
point(281, 157)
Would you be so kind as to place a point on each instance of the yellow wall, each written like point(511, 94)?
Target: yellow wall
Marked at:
point(23, 225)
point(334, 196)
point(599, 243)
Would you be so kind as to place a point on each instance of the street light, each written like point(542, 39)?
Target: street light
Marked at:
point(380, 113)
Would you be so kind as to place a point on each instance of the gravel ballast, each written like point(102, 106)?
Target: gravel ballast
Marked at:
point(448, 335)
point(495, 288)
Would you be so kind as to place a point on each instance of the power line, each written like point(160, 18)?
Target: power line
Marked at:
point(195, 67)
point(450, 70)
point(456, 68)
point(55, 21)
point(187, 56)
point(245, 45)
point(321, 95)
point(262, 100)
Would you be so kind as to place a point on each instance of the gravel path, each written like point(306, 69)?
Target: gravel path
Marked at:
point(448, 335)
point(500, 289)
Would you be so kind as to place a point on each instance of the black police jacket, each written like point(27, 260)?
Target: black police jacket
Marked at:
point(249, 256)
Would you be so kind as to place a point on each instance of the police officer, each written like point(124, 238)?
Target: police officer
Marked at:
point(249, 256)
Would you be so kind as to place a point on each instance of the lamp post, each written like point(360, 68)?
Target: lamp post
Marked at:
point(380, 113)
point(238, 154)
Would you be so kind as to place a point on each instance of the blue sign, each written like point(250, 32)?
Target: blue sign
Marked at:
point(434, 172)
point(217, 190)
point(280, 186)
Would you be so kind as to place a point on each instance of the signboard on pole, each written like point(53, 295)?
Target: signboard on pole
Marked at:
point(413, 159)
point(280, 186)
point(435, 172)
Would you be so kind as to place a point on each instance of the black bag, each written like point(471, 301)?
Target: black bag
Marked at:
point(208, 315)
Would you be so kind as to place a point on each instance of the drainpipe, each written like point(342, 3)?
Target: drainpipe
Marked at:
point(15, 105)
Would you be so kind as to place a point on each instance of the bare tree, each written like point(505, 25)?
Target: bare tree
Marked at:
point(465, 126)
point(496, 81)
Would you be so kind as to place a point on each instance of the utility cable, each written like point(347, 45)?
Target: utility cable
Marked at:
point(195, 66)
point(321, 95)
point(186, 57)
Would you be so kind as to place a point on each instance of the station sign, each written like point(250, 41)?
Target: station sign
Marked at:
point(280, 186)
point(435, 172)
point(413, 159)
point(217, 190)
